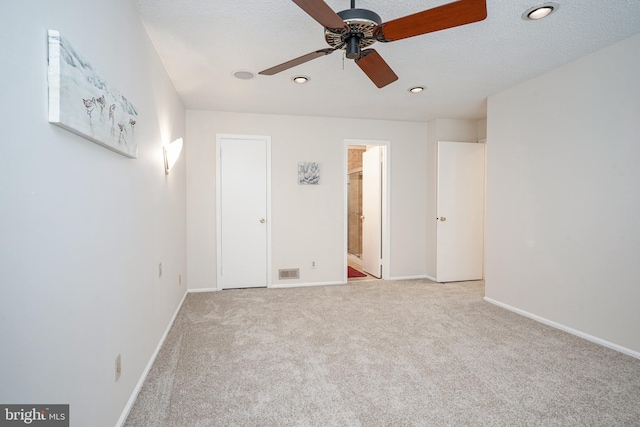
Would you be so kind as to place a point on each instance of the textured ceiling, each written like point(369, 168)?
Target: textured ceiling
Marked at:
point(203, 42)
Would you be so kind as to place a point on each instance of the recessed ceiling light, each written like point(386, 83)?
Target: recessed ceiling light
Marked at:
point(300, 79)
point(243, 75)
point(416, 89)
point(541, 11)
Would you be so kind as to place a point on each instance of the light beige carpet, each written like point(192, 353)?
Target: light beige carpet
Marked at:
point(402, 353)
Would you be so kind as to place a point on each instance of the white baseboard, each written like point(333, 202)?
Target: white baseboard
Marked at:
point(422, 276)
point(143, 377)
point(300, 285)
point(195, 291)
point(564, 328)
point(276, 286)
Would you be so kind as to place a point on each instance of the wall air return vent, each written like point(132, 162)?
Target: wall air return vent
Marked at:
point(289, 273)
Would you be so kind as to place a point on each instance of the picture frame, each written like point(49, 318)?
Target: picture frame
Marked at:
point(308, 173)
point(82, 102)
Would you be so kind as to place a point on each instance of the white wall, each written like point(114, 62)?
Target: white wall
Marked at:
point(83, 228)
point(442, 130)
point(307, 221)
point(563, 206)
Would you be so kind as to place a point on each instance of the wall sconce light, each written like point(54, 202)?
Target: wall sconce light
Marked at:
point(171, 153)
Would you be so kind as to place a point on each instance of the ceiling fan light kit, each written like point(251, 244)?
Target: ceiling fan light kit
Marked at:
point(354, 30)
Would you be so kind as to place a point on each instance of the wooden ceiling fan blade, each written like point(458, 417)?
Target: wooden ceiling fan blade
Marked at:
point(450, 15)
point(297, 61)
point(321, 12)
point(376, 68)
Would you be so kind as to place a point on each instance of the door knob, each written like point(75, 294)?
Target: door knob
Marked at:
point(262, 220)
point(443, 218)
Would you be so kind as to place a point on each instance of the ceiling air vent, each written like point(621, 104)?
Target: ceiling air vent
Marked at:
point(289, 273)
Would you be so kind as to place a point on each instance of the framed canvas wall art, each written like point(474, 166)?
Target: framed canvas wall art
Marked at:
point(81, 101)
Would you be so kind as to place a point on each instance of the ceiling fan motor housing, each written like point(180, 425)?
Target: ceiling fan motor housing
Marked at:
point(361, 23)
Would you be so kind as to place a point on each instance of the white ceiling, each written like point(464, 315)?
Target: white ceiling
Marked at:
point(203, 42)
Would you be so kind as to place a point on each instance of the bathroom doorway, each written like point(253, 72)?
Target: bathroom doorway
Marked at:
point(366, 209)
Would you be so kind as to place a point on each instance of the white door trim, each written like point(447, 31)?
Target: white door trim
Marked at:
point(220, 137)
point(386, 202)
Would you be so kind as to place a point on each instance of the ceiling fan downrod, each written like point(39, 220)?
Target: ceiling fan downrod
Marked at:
point(353, 42)
point(359, 22)
point(353, 47)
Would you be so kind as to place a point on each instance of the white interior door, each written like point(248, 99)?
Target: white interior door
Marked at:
point(372, 211)
point(460, 212)
point(243, 189)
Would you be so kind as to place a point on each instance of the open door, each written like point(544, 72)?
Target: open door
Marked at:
point(372, 211)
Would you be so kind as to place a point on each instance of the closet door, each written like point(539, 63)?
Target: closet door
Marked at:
point(243, 211)
point(460, 212)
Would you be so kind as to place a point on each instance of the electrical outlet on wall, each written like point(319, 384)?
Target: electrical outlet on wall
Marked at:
point(160, 270)
point(313, 264)
point(118, 367)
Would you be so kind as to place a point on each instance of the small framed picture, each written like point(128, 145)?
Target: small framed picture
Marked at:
point(308, 173)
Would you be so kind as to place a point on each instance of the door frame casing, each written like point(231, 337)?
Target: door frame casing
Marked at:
point(386, 205)
point(267, 139)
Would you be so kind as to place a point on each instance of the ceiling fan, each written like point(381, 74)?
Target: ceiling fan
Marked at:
point(354, 30)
